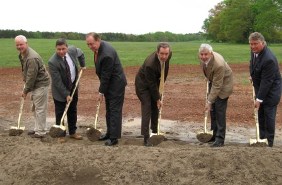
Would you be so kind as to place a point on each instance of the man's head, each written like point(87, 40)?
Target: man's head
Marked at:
point(21, 43)
point(163, 51)
point(257, 42)
point(93, 41)
point(61, 47)
point(205, 53)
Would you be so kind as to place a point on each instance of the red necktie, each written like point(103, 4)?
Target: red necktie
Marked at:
point(95, 56)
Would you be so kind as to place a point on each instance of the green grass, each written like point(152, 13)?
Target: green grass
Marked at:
point(133, 53)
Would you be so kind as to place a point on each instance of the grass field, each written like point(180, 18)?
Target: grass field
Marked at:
point(133, 53)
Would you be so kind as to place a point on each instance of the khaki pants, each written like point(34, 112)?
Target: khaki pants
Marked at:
point(39, 98)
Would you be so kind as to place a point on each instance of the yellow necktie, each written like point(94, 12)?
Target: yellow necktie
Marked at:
point(161, 88)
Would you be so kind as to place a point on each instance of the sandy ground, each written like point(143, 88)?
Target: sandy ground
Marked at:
point(181, 159)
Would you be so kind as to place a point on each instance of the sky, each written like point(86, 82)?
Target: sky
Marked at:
point(118, 16)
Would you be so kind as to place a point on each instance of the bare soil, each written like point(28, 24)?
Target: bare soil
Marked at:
point(180, 159)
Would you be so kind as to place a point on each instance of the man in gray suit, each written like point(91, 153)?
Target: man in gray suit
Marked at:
point(112, 85)
point(220, 78)
point(147, 83)
point(63, 67)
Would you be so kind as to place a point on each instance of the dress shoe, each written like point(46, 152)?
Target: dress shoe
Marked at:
point(76, 136)
point(217, 144)
point(37, 136)
point(61, 140)
point(30, 132)
point(212, 140)
point(104, 137)
point(111, 142)
point(148, 144)
point(270, 144)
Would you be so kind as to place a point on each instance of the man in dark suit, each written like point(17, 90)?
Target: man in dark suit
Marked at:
point(63, 67)
point(220, 78)
point(147, 83)
point(266, 79)
point(112, 85)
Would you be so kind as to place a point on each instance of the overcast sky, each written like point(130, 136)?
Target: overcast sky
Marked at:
point(122, 16)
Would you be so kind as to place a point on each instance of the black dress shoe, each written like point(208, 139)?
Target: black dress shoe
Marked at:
point(104, 137)
point(148, 144)
point(217, 144)
point(111, 142)
point(31, 132)
point(212, 140)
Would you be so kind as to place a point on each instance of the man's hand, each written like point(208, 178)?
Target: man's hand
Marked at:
point(208, 107)
point(257, 105)
point(68, 98)
point(159, 104)
point(100, 97)
point(24, 95)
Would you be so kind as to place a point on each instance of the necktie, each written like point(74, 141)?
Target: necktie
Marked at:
point(161, 88)
point(68, 74)
point(95, 56)
point(254, 59)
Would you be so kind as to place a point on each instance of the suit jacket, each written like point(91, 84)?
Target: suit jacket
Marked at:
point(149, 74)
point(266, 77)
point(109, 71)
point(220, 76)
point(57, 70)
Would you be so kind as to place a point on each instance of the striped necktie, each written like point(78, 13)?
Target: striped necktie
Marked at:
point(68, 74)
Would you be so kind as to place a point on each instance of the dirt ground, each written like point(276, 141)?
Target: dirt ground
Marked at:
point(181, 159)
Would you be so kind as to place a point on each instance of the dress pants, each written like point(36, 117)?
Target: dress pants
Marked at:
point(149, 111)
point(71, 113)
point(219, 118)
point(114, 115)
point(266, 117)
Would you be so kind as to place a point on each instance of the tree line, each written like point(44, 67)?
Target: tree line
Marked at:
point(149, 37)
point(234, 20)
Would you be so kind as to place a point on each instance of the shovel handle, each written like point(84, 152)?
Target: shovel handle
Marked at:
point(160, 113)
point(256, 114)
point(206, 112)
point(21, 111)
point(97, 114)
point(68, 104)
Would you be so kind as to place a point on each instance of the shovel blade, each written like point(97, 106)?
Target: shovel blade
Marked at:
point(15, 131)
point(93, 134)
point(57, 131)
point(259, 142)
point(156, 139)
point(204, 137)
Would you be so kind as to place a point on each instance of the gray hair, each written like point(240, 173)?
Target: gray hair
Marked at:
point(257, 36)
point(21, 37)
point(205, 47)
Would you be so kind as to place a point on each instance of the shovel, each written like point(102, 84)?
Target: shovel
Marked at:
point(18, 130)
point(257, 142)
point(158, 138)
point(92, 133)
point(205, 136)
point(60, 130)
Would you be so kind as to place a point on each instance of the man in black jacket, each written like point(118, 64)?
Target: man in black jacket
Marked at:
point(112, 85)
point(147, 83)
point(266, 79)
